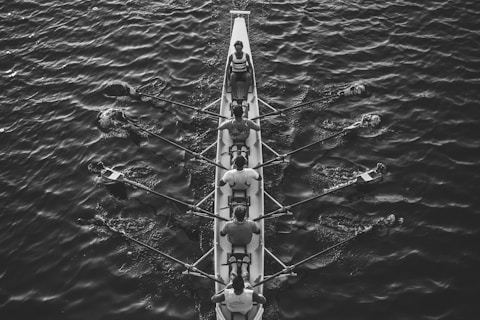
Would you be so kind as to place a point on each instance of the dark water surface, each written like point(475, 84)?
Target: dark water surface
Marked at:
point(58, 262)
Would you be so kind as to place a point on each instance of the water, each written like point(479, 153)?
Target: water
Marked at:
point(59, 262)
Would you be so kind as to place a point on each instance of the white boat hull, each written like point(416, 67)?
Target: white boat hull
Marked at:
point(222, 246)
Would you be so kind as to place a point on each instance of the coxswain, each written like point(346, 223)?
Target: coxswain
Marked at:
point(239, 66)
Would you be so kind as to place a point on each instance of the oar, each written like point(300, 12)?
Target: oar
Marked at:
point(197, 109)
point(371, 175)
point(283, 156)
point(280, 111)
point(193, 153)
point(189, 267)
point(290, 268)
point(117, 176)
point(353, 90)
point(123, 89)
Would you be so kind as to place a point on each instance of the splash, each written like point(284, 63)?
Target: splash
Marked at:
point(113, 122)
point(390, 221)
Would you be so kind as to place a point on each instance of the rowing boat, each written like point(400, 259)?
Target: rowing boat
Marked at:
point(222, 247)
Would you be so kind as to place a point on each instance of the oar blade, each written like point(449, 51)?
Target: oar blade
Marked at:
point(119, 89)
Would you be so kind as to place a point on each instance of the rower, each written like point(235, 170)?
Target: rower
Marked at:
point(240, 230)
point(239, 178)
point(238, 127)
point(239, 295)
point(239, 64)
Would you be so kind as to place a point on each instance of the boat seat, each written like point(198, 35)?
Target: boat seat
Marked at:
point(238, 197)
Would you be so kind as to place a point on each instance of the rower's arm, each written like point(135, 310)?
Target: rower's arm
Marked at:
point(229, 64)
point(224, 230)
point(224, 125)
point(256, 228)
point(249, 64)
point(218, 298)
point(224, 179)
point(253, 125)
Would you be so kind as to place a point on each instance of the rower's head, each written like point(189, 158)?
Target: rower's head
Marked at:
point(240, 212)
point(240, 161)
point(238, 45)
point(238, 284)
point(238, 111)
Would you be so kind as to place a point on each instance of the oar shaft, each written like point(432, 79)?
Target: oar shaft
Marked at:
point(325, 250)
point(303, 148)
point(280, 111)
point(182, 105)
point(268, 215)
point(304, 104)
point(348, 184)
point(267, 162)
point(152, 248)
point(199, 155)
point(273, 276)
point(292, 267)
point(141, 186)
point(161, 138)
point(316, 142)
point(143, 244)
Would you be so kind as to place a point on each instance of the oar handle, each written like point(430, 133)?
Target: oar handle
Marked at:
point(277, 211)
point(208, 213)
point(279, 158)
point(273, 276)
point(273, 113)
